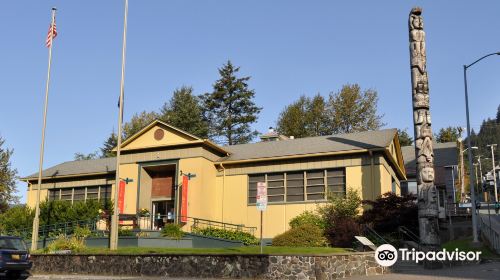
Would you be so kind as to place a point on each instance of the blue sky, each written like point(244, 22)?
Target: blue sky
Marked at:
point(289, 48)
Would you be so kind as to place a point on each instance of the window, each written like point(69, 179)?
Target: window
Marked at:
point(315, 184)
point(93, 192)
point(295, 186)
point(252, 186)
point(67, 194)
point(81, 193)
point(276, 187)
point(299, 186)
point(336, 182)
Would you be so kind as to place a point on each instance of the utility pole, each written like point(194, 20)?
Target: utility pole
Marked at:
point(494, 171)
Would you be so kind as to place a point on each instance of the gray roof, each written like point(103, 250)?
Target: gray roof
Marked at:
point(444, 154)
point(301, 146)
point(101, 165)
point(312, 145)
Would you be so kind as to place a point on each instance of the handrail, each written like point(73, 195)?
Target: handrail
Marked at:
point(408, 233)
point(61, 228)
point(372, 232)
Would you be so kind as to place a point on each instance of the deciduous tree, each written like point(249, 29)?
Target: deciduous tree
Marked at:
point(447, 134)
point(184, 111)
point(352, 110)
point(8, 176)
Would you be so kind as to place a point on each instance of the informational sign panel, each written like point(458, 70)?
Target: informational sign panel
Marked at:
point(184, 199)
point(261, 196)
point(121, 197)
point(465, 205)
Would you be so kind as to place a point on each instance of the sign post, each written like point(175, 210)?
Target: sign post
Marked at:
point(261, 206)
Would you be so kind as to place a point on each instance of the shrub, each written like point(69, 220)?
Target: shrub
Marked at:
point(173, 231)
point(308, 218)
point(66, 243)
point(125, 232)
point(390, 211)
point(17, 218)
point(340, 206)
point(306, 235)
point(82, 232)
point(235, 235)
point(340, 231)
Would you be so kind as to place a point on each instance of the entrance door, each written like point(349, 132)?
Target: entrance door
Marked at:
point(163, 212)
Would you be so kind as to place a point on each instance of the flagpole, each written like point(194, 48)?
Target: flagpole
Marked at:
point(113, 242)
point(36, 219)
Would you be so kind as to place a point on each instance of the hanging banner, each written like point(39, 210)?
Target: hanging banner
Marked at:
point(184, 199)
point(121, 197)
point(261, 196)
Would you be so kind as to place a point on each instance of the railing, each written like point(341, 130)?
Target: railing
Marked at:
point(53, 230)
point(408, 235)
point(453, 209)
point(159, 222)
point(374, 236)
point(491, 234)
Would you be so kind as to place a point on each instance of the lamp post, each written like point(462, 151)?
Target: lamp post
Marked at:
point(469, 154)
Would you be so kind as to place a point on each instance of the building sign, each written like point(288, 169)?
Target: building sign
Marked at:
point(184, 199)
point(261, 196)
point(121, 197)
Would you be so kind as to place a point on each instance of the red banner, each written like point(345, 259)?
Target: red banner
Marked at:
point(121, 197)
point(184, 199)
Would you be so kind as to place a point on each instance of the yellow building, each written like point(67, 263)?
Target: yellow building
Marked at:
point(299, 173)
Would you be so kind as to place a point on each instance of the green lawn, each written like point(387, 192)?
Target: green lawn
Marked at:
point(465, 245)
point(236, 250)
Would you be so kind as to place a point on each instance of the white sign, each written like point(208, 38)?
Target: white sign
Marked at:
point(261, 196)
point(465, 205)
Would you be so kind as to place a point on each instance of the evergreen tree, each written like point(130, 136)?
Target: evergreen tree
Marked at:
point(404, 138)
point(230, 108)
point(353, 110)
point(8, 177)
point(184, 111)
point(303, 118)
point(448, 134)
point(109, 145)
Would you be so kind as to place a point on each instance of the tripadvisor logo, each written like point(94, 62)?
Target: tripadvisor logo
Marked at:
point(387, 255)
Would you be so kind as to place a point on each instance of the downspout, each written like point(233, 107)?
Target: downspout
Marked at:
point(372, 170)
point(223, 188)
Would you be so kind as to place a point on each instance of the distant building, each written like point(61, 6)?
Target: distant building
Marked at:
point(223, 181)
point(445, 168)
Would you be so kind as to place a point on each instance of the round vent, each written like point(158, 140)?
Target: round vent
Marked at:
point(159, 133)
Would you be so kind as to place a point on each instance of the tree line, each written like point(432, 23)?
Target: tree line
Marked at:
point(226, 114)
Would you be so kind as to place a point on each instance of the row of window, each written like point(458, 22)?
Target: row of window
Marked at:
point(81, 193)
point(299, 185)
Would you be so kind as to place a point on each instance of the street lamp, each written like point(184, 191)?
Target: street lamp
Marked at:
point(469, 154)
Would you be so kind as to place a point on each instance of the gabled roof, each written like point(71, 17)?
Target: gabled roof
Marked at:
point(445, 154)
point(191, 139)
point(151, 125)
point(357, 141)
point(79, 167)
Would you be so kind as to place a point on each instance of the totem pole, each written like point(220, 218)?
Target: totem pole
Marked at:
point(427, 194)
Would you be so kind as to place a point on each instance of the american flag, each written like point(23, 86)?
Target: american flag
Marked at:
point(52, 32)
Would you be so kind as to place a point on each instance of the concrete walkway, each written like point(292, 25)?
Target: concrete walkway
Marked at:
point(478, 272)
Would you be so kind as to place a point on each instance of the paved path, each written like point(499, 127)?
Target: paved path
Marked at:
point(479, 272)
